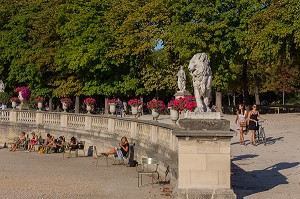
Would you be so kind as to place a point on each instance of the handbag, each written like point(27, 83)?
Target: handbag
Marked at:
point(243, 124)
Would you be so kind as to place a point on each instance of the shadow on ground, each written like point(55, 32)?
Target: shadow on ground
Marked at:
point(247, 183)
point(269, 141)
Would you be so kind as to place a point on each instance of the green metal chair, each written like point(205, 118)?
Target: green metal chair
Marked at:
point(99, 156)
point(148, 162)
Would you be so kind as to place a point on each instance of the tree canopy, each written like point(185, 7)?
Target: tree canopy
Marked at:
point(65, 48)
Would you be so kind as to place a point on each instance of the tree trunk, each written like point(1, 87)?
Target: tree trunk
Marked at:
point(106, 106)
point(257, 101)
point(228, 96)
point(77, 104)
point(245, 84)
point(50, 105)
point(219, 101)
point(142, 100)
point(234, 102)
point(283, 98)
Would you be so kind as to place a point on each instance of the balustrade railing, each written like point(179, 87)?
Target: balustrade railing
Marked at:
point(4, 115)
point(99, 124)
point(27, 117)
point(76, 121)
point(146, 132)
point(51, 119)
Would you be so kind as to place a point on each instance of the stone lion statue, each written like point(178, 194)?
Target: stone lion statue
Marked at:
point(202, 80)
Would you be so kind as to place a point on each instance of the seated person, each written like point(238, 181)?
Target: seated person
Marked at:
point(33, 141)
point(18, 141)
point(49, 144)
point(123, 148)
point(60, 142)
point(73, 143)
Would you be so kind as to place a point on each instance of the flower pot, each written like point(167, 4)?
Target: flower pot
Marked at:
point(134, 110)
point(14, 104)
point(112, 108)
point(89, 108)
point(155, 114)
point(174, 115)
point(40, 106)
point(65, 106)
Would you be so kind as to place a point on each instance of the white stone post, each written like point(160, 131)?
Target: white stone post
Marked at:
point(39, 117)
point(111, 125)
point(64, 120)
point(88, 122)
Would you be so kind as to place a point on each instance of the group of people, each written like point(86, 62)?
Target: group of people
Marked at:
point(247, 121)
point(50, 143)
point(122, 109)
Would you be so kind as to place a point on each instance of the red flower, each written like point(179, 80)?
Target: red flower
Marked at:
point(89, 101)
point(157, 105)
point(39, 99)
point(134, 102)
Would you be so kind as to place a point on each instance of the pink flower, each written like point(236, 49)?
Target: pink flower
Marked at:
point(89, 101)
point(134, 102)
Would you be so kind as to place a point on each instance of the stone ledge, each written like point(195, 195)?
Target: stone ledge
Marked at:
point(205, 124)
point(205, 194)
point(202, 133)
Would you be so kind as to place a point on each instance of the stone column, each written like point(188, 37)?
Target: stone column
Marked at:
point(204, 162)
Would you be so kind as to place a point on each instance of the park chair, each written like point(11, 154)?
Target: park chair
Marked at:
point(99, 156)
point(66, 149)
point(149, 171)
point(81, 145)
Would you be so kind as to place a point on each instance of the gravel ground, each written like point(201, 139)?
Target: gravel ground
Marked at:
point(270, 171)
point(29, 175)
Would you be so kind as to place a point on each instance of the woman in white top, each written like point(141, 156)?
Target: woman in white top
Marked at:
point(241, 116)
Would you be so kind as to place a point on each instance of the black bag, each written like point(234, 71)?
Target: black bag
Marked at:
point(133, 163)
point(90, 151)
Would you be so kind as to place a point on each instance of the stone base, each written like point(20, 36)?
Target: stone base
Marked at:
point(202, 115)
point(205, 194)
point(182, 94)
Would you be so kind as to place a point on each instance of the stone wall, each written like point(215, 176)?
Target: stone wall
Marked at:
point(198, 160)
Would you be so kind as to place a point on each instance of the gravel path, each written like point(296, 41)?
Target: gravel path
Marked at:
point(270, 171)
point(29, 175)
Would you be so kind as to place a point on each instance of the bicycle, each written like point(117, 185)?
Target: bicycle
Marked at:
point(260, 135)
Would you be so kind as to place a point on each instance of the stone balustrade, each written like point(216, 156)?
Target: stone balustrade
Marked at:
point(198, 160)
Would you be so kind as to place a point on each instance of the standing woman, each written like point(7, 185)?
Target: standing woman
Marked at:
point(253, 123)
point(241, 121)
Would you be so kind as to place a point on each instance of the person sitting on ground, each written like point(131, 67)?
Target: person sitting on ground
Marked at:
point(73, 143)
point(123, 148)
point(60, 142)
point(49, 142)
point(33, 141)
point(18, 141)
